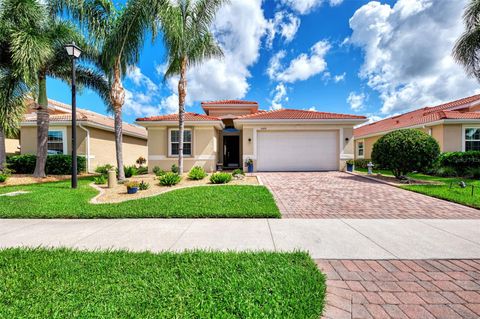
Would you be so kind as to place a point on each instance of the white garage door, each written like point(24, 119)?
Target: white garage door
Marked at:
point(297, 151)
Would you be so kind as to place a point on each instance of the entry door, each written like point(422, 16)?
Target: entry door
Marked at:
point(231, 148)
point(297, 151)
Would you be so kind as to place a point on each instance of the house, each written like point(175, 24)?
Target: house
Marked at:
point(95, 135)
point(12, 146)
point(232, 131)
point(455, 125)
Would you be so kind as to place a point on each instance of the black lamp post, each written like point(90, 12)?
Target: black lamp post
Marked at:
point(74, 52)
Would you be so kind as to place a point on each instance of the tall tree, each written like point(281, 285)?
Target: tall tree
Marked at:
point(467, 47)
point(37, 34)
point(185, 25)
point(121, 40)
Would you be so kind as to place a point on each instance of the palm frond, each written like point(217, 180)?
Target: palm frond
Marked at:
point(467, 52)
point(13, 93)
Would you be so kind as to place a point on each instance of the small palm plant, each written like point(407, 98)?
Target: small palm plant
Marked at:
point(187, 37)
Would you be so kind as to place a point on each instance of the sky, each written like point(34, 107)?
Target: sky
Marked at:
point(372, 58)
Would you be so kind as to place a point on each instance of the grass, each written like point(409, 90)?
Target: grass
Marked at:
point(72, 284)
point(448, 190)
point(58, 200)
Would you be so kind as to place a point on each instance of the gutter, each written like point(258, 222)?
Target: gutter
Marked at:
point(87, 145)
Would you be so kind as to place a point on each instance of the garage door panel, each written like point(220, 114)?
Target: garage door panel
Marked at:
point(297, 150)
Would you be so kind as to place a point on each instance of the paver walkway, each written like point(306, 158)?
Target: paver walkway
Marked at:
point(402, 288)
point(341, 195)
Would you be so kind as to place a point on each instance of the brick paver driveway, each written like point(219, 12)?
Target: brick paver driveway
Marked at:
point(402, 288)
point(342, 195)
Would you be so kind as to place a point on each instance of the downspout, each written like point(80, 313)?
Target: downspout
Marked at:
point(87, 143)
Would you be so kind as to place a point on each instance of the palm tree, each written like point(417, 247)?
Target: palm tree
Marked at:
point(35, 41)
point(186, 33)
point(467, 47)
point(121, 40)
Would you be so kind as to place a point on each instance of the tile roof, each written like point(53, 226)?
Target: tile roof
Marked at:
point(422, 116)
point(86, 116)
point(174, 117)
point(292, 114)
point(229, 102)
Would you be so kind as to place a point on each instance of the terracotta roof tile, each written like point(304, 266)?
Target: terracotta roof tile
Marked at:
point(293, 114)
point(228, 102)
point(86, 116)
point(174, 117)
point(422, 116)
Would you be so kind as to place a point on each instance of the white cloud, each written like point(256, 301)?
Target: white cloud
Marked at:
point(306, 6)
point(135, 74)
point(137, 104)
point(407, 51)
point(239, 27)
point(312, 109)
point(302, 67)
point(339, 77)
point(280, 94)
point(356, 101)
point(285, 24)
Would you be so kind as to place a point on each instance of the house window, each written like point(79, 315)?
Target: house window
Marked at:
point(360, 149)
point(55, 142)
point(472, 139)
point(187, 142)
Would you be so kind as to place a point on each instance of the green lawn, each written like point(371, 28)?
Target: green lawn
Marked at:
point(73, 284)
point(449, 190)
point(58, 200)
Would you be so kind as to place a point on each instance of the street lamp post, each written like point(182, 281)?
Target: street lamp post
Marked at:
point(74, 52)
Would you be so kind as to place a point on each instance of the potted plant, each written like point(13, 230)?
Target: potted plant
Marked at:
point(132, 187)
point(249, 163)
point(350, 165)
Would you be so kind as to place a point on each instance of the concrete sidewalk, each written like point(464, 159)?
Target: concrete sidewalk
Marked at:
point(323, 238)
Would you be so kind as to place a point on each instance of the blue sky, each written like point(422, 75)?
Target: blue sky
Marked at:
point(351, 56)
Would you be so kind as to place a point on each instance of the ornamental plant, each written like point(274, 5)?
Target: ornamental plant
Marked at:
point(197, 173)
point(169, 179)
point(405, 151)
point(220, 178)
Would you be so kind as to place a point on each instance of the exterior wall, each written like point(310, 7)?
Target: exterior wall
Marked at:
point(249, 137)
point(102, 148)
point(11, 146)
point(102, 145)
point(204, 148)
point(448, 136)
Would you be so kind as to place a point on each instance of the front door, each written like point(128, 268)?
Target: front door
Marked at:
point(231, 151)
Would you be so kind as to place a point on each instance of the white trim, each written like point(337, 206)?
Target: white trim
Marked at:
point(357, 149)
point(241, 122)
point(62, 129)
point(156, 157)
point(464, 128)
point(341, 146)
point(169, 141)
point(197, 158)
point(346, 156)
point(205, 157)
point(149, 124)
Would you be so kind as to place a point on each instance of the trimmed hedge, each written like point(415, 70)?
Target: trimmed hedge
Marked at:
point(361, 163)
point(405, 151)
point(461, 162)
point(56, 164)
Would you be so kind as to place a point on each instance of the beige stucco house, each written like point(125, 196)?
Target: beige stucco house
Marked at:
point(232, 131)
point(95, 136)
point(455, 125)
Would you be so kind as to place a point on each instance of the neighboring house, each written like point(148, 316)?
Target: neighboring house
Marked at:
point(95, 136)
point(12, 146)
point(455, 126)
point(232, 131)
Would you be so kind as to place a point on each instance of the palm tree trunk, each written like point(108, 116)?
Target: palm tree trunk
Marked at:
point(117, 96)
point(42, 127)
point(182, 93)
point(3, 151)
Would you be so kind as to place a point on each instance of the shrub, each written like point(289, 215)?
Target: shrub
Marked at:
point(169, 179)
point(175, 169)
point(103, 169)
point(142, 170)
point(141, 160)
point(472, 172)
point(130, 171)
point(361, 163)
point(56, 164)
point(143, 186)
point(405, 151)
point(3, 178)
point(445, 171)
point(158, 171)
point(460, 161)
point(132, 184)
point(197, 173)
point(220, 178)
point(238, 171)
point(100, 180)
